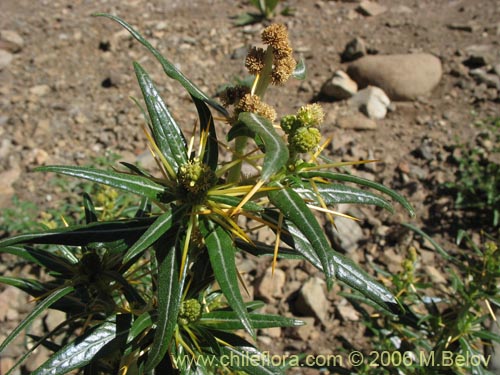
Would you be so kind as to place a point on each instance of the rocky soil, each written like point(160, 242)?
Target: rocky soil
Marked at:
point(66, 79)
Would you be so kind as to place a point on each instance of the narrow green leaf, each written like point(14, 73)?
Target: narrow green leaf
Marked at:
point(346, 270)
point(169, 68)
point(90, 212)
point(361, 181)
point(211, 155)
point(234, 201)
point(160, 226)
point(229, 321)
point(31, 286)
point(300, 70)
point(169, 300)
point(81, 351)
point(139, 185)
point(221, 251)
point(294, 208)
point(276, 154)
point(143, 322)
point(41, 257)
point(336, 193)
point(166, 133)
point(40, 308)
point(82, 235)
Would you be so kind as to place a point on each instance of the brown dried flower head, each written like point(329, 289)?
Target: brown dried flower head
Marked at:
point(252, 103)
point(283, 69)
point(232, 95)
point(276, 35)
point(254, 61)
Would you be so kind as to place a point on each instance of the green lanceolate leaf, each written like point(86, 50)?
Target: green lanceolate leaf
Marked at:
point(346, 270)
point(211, 155)
point(90, 212)
point(39, 309)
point(43, 258)
point(335, 193)
point(82, 235)
point(361, 181)
point(160, 226)
point(81, 351)
point(221, 251)
point(169, 300)
point(294, 209)
point(126, 182)
point(166, 132)
point(229, 321)
point(300, 70)
point(276, 154)
point(234, 201)
point(169, 68)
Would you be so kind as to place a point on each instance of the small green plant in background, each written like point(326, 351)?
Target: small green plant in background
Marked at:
point(477, 185)
point(266, 11)
point(139, 292)
point(450, 331)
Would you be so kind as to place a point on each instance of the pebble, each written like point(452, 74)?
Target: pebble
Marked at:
point(480, 55)
point(370, 8)
point(7, 178)
point(271, 286)
point(481, 76)
point(372, 101)
point(5, 59)
point(11, 41)
point(353, 50)
point(312, 300)
point(402, 77)
point(356, 121)
point(348, 234)
point(39, 90)
point(304, 332)
point(340, 86)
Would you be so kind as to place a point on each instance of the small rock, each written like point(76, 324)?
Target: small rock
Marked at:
point(348, 234)
point(435, 275)
point(491, 80)
point(353, 50)
point(54, 318)
point(356, 121)
point(370, 8)
point(7, 178)
point(402, 77)
point(340, 86)
point(468, 27)
point(274, 332)
point(496, 69)
point(372, 101)
point(271, 286)
point(480, 55)
point(304, 331)
point(11, 41)
point(347, 312)
point(40, 90)
point(5, 59)
point(312, 300)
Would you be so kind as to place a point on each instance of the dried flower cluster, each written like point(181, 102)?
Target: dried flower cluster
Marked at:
point(276, 37)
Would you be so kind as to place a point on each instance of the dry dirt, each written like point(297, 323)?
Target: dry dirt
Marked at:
point(65, 99)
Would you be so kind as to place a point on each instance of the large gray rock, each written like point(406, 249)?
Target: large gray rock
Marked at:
point(402, 77)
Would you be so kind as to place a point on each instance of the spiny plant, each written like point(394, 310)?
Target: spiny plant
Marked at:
point(139, 293)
